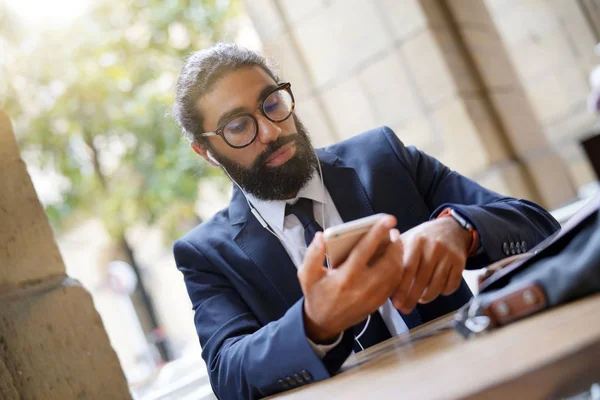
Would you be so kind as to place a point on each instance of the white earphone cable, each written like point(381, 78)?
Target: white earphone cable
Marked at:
point(364, 329)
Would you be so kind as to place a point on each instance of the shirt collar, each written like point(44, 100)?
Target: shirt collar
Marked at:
point(273, 212)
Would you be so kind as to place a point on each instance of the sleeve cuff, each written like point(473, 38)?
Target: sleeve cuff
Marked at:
point(322, 349)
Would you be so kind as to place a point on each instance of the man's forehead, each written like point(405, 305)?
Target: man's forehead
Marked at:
point(239, 88)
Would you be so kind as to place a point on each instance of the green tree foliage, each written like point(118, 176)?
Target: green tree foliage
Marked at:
point(90, 104)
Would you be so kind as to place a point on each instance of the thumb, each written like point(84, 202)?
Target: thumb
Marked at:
point(312, 269)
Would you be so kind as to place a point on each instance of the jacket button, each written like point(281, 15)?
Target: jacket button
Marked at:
point(524, 246)
point(512, 248)
point(505, 248)
point(291, 381)
point(299, 379)
point(306, 375)
point(283, 384)
point(518, 247)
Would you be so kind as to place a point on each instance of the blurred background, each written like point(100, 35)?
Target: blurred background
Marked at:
point(503, 91)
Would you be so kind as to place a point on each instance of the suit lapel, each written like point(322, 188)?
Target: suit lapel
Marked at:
point(265, 251)
point(345, 189)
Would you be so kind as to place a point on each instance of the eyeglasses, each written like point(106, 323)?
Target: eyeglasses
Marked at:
point(241, 130)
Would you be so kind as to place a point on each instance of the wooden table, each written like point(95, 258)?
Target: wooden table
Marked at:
point(553, 354)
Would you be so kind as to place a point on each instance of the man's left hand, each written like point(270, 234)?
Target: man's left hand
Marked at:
point(435, 255)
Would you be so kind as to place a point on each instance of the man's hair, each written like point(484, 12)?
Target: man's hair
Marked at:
point(200, 72)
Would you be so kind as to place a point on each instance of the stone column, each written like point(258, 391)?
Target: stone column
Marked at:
point(502, 95)
point(550, 44)
point(274, 22)
point(52, 341)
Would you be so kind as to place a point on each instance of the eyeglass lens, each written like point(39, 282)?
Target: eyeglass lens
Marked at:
point(242, 130)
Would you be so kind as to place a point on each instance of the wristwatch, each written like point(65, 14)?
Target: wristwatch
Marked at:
point(449, 212)
point(461, 221)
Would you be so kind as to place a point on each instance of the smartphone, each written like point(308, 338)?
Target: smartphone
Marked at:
point(341, 239)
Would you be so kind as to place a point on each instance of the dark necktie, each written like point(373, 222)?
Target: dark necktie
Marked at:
point(303, 210)
point(376, 331)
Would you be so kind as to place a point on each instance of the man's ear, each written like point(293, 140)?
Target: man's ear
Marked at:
point(202, 151)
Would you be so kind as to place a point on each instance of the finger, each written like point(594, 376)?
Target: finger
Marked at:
point(454, 280)
point(368, 245)
point(395, 255)
point(422, 279)
point(438, 282)
point(397, 249)
point(390, 249)
point(388, 269)
point(410, 265)
point(395, 236)
point(312, 269)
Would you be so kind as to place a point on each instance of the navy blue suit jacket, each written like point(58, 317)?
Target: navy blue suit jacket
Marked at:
point(244, 288)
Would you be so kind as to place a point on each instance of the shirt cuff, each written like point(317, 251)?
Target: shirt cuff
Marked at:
point(322, 349)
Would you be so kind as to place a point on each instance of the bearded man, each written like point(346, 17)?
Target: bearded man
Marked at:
point(270, 316)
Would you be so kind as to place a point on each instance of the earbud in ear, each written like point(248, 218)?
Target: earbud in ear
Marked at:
point(212, 158)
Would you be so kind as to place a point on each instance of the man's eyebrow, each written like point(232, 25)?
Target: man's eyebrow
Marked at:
point(239, 110)
point(229, 114)
point(265, 92)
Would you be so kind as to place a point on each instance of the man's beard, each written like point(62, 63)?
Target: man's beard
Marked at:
point(275, 183)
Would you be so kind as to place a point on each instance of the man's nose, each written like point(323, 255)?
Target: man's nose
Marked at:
point(268, 130)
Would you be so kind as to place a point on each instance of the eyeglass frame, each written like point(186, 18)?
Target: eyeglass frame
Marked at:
point(219, 131)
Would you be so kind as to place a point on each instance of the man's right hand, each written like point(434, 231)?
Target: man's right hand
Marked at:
point(336, 299)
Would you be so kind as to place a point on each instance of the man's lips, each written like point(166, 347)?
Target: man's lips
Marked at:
point(280, 152)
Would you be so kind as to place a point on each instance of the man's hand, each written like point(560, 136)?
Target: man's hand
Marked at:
point(435, 255)
point(336, 299)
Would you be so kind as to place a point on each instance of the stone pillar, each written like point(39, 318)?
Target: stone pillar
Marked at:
point(434, 71)
point(52, 341)
point(591, 11)
point(274, 22)
point(503, 96)
point(551, 46)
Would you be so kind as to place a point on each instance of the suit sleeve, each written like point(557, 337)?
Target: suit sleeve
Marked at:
point(244, 358)
point(499, 220)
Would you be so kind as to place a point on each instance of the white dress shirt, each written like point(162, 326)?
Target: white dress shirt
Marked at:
point(291, 235)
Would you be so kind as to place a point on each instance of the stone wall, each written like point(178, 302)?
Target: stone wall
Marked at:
point(550, 44)
point(52, 342)
point(449, 77)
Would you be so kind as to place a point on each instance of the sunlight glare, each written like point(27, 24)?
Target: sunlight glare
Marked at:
point(48, 14)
